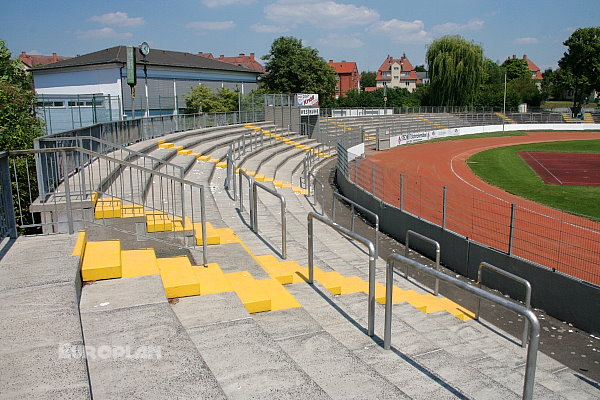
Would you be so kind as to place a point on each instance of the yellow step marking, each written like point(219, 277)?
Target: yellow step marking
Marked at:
point(184, 152)
point(79, 249)
point(212, 279)
point(140, 262)
point(251, 294)
point(281, 299)
point(108, 209)
point(158, 223)
point(203, 158)
point(222, 164)
point(165, 145)
point(102, 260)
point(179, 279)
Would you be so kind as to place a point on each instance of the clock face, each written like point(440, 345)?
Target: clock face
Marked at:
point(144, 49)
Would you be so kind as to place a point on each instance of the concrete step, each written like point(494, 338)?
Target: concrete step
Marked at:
point(136, 346)
point(245, 360)
point(39, 320)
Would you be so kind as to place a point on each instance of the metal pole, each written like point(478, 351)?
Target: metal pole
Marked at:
point(444, 208)
point(67, 194)
point(401, 192)
point(513, 210)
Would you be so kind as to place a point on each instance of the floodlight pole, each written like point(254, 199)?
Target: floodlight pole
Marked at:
point(504, 103)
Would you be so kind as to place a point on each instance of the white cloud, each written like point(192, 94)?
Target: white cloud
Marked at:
point(450, 28)
point(401, 31)
point(262, 28)
point(211, 25)
point(103, 33)
point(325, 14)
point(33, 53)
point(118, 19)
point(220, 3)
point(526, 40)
point(341, 41)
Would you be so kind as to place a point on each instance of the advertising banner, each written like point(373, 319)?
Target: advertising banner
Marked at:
point(307, 100)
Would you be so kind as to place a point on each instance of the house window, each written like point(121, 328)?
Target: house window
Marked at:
point(396, 77)
point(386, 73)
point(50, 103)
point(84, 103)
point(405, 73)
point(396, 68)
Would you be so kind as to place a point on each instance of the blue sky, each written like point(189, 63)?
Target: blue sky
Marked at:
point(361, 31)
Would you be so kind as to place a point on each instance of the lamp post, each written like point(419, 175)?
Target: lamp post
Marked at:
point(504, 103)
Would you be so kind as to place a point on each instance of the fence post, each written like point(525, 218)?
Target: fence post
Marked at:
point(373, 179)
point(513, 210)
point(7, 198)
point(401, 192)
point(67, 194)
point(444, 208)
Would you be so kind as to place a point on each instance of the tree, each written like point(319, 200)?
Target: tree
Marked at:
point(455, 70)
point(18, 123)
point(420, 68)
point(516, 68)
point(293, 68)
point(368, 79)
point(202, 99)
point(580, 64)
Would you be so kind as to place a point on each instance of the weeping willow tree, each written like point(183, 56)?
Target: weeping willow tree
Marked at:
point(455, 71)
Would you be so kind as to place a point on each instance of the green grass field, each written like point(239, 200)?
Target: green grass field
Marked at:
point(502, 167)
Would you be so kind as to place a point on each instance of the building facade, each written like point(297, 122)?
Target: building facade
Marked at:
point(164, 78)
point(397, 73)
point(347, 76)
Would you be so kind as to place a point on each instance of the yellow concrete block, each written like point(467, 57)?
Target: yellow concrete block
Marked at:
point(275, 270)
point(161, 141)
point(212, 279)
point(299, 273)
point(179, 226)
point(158, 223)
point(140, 262)
point(354, 284)
point(227, 236)
point(94, 197)
point(259, 177)
point(184, 152)
point(251, 294)
point(281, 299)
point(298, 189)
point(108, 209)
point(102, 260)
point(203, 158)
point(212, 235)
point(132, 210)
point(278, 183)
point(79, 249)
point(179, 279)
point(222, 164)
point(165, 145)
point(251, 173)
point(213, 160)
point(268, 179)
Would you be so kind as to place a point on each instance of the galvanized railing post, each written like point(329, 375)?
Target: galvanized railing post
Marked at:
point(255, 186)
point(515, 278)
point(444, 207)
point(67, 194)
point(409, 234)
point(534, 325)
point(7, 198)
point(372, 261)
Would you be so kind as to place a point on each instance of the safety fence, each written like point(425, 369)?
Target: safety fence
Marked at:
point(563, 242)
point(48, 191)
point(131, 131)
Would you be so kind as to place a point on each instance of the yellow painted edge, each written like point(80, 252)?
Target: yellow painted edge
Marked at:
point(79, 249)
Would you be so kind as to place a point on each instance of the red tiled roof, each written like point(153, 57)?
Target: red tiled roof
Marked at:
point(344, 67)
point(370, 89)
point(242, 60)
point(35, 60)
point(535, 70)
point(404, 64)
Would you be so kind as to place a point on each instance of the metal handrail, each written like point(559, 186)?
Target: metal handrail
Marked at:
point(515, 278)
point(243, 174)
point(256, 184)
point(372, 261)
point(315, 180)
point(127, 164)
point(534, 326)
point(119, 147)
point(354, 205)
point(424, 238)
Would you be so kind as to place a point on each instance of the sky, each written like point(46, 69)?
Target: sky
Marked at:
point(362, 31)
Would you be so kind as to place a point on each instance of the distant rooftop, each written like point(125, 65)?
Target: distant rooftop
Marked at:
point(157, 57)
point(241, 60)
point(34, 60)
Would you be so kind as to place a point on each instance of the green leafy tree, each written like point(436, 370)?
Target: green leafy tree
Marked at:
point(203, 99)
point(420, 68)
point(455, 70)
point(580, 64)
point(293, 68)
point(516, 68)
point(18, 122)
point(368, 79)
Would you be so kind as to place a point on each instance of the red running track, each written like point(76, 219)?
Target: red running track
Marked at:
point(479, 211)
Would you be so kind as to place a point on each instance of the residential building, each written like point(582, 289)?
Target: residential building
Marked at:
point(34, 60)
point(164, 78)
point(241, 60)
point(397, 73)
point(347, 76)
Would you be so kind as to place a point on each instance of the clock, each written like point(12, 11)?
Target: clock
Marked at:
point(144, 49)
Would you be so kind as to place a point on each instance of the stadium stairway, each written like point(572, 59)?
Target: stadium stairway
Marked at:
point(164, 327)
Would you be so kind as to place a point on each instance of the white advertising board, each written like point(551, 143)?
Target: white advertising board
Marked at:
point(305, 100)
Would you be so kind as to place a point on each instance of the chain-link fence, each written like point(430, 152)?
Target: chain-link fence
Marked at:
point(563, 242)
